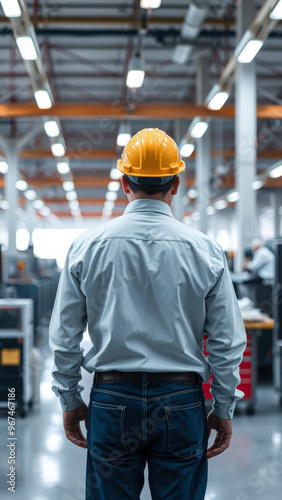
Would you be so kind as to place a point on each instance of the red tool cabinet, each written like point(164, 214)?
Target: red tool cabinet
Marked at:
point(247, 373)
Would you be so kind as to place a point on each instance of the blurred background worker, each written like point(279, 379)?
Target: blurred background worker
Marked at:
point(262, 265)
point(149, 288)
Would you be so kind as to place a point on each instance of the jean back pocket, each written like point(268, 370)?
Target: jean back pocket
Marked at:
point(185, 429)
point(106, 434)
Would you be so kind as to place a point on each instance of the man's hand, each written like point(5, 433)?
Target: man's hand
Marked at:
point(222, 440)
point(71, 420)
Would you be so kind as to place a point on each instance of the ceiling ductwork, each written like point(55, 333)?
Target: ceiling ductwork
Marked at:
point(191, 27)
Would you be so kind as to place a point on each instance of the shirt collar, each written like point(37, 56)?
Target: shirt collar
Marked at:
point(148, 205)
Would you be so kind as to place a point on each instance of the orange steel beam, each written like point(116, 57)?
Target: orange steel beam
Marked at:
point(114, 110)
point(87, 214)
point(82, 201)
point(79, 182)
point(142, 111)
point(88, 201)
point(78, 154)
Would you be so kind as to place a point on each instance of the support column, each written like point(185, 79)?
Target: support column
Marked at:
point(276, 202)
point(177, 205)
point(31, 219)
point(11, 193)
point(203, 146)
point(245, 139)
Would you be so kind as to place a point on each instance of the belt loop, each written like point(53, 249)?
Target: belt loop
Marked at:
point(144, 379)
point(200, 380)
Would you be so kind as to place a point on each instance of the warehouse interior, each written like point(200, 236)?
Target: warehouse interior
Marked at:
point(78, 80)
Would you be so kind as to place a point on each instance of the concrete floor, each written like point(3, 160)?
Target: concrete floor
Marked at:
point(50, 467)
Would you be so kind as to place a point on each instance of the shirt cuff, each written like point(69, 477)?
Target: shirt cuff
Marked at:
point(224, 410)
point(69, 401)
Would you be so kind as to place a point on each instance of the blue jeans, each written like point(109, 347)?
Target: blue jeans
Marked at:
point(161, 423)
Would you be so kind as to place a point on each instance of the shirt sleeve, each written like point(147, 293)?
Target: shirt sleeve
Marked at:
point(225, 344)
point(68, 322)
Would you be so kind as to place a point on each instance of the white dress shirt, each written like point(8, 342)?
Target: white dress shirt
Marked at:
point(149, 287)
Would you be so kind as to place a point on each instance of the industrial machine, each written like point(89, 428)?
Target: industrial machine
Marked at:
point(16, 343)
point(277, 306)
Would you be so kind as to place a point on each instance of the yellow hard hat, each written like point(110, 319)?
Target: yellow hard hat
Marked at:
point(151, 153)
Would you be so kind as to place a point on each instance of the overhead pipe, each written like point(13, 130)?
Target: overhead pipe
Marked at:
point(158, 34)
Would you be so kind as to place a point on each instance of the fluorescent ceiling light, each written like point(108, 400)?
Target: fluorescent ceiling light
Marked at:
point(276, 13)
point(74, 205)
point(111, 196)
point(220, 204)
point(181, 53)
point(45, 211)
point(136, 72)
point(4, 204)
point(250, 51)
point(30, 194)
point(124, 134)
point(210, 210)
point(150, 4)
point(38, 204)
point(63, 167)
point(11, 8)
point(115, 174)
point(26, 48)
point(217, 98)
point(71, 195)
point(43, 99)
point(68, 186)
point(276, 172)
point(195, 216)
point(52, 128)
point(187, 220)
point(109, 205)
point(218, 101)
point(58, 149)
point(192, 193)
point(257, 184)
point(106, 212)
point(21, 185)
point(198, 128)
point(187, 149)
point(248, 48)
point(76, 213)
point(113, 186)
point(3, 167)
point(233, 196)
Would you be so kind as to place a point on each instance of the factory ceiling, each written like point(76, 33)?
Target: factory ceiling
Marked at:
point(86, 49)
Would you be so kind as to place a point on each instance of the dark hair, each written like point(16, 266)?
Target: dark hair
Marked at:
point(151, 188)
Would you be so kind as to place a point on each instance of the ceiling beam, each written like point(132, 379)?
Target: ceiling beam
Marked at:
point(77, 154)
point(82, 201)
point(114, 110)
point(111, 154)
point(87, 214)
point(116, 20)
point(92, 183)
point(142, 111)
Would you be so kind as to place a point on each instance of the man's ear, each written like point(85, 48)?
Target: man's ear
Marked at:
point(175, 186)
point(125, 185)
